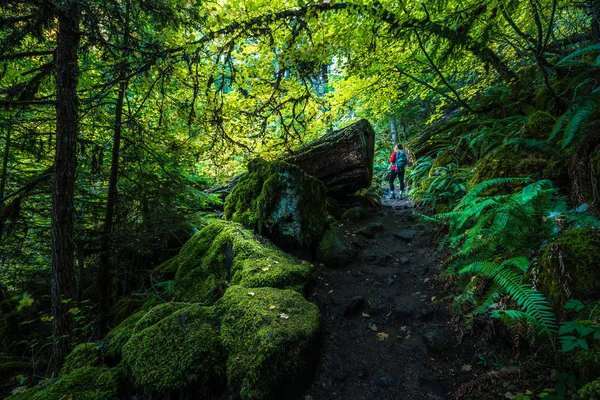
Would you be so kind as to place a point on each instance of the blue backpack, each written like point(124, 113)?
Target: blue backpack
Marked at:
point(401, 160)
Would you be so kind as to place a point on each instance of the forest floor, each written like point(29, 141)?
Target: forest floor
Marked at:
point(386, 329)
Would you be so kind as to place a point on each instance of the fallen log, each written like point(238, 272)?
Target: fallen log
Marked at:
point(342, 160)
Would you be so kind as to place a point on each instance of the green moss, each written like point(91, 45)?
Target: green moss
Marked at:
point(156, 314)
point(224, 252)
point(332, 251)
point(118, 336)
point(166, 270)
point(444, 158)
point(268, 334)
point(87, 383)
point(179, 350)
point(83, 355)
point(354, 214)
point(539, 125)
point(571, 260)
point(281, 202)
point(506, 162)
point(590, 391)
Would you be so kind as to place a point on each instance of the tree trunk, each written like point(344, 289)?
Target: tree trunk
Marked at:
point(393, 129)
point(342, 160)
point(3, 180)
point(104, 282)
point(65, 166)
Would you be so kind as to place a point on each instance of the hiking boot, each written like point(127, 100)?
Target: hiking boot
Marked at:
point(401, 195)
point(391, 196)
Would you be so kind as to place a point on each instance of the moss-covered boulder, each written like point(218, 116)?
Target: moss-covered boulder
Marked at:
point(225, 253)
point(539, 125)
point(268, 335)
point(87, 383)
point(119, 335)
point(590, 391)
point(506, 162)
point(332, 251)
point(354, 214)
point(569, 266)
point(176, 350)
point(281, 202)
point(83, 355)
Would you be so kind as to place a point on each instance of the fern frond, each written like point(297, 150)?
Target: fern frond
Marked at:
point(589, 49)
point(533, 303)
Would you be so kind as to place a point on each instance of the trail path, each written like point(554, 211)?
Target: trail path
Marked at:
point(385, 333)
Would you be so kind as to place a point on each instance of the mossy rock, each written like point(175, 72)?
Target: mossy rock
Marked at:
point(332, 251)
point(176, 352)
point(444, 158)
point(156, 314)
point(268, 334)
point(354, 214)
point(83, 355)
point(87, 383)
point(539, 125)
point(281, 202)
point(590, 391)
point(166, 270)
point(14, 367)
point(224, 252)
point(505, 162)
point(574, 253)
point(119, 335)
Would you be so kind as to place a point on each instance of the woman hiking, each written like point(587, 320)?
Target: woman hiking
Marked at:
point(398, 160)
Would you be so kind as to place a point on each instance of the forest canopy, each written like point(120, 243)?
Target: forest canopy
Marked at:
point(117, 117)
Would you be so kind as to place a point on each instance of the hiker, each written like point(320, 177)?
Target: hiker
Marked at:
point(398, 160)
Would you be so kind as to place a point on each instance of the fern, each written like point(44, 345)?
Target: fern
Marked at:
point(534, 304)
point(595, 48)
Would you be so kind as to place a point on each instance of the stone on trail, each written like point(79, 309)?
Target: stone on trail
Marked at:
point(371, 230)
point(281, 202)
point(406, 235)
point(333, 252)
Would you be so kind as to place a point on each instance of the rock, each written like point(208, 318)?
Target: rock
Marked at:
point(376, 309)
point(354, 214)
point(83, 355)
point(431, 385)
point(389, 281)
point(438, 339)
point(355, 305)
point(225, 253)
point(333, 252)
point(404, 260)
point(385, 260)
point(371, 258)
point(426, 313)
point(268, 336)
point(176, 351)
point(281, 202)
point(383, 379)
point(406, 235)
point(370, 230)
point(402, 312)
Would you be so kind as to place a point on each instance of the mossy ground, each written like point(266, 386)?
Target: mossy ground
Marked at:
point(570, 262)
point(83, 355)
point(87, 383)
point(225, 253)
point(178, 350)
point(280, 201)
point(268, 334)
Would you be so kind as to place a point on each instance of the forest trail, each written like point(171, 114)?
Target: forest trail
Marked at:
point(385, 335)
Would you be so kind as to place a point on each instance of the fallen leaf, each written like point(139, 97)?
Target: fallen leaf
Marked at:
point(373, 327)
point(433, 298)
point(365, 315)
point(251, 294)
point(426, 280)
point(403, 328)
point(284, 316)
point(466, 367)
point(383, 336)
point(331, 291)
point(272, 307)
point(265, 269)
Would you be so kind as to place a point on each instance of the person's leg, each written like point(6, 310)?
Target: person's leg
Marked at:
point(401, 178)
point(392, 177)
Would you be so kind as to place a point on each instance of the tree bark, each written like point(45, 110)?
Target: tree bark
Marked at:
point(65, 166)
point(342, 160)
point(104, 282)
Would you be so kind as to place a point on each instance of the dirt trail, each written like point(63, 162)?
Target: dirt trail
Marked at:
point(385, 333)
